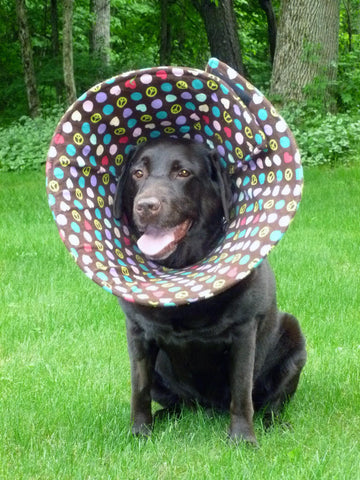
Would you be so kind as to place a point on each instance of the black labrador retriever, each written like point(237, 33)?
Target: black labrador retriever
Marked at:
point(234, 351)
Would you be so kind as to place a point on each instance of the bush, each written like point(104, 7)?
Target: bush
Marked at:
point(326, 139)
point(24, 144)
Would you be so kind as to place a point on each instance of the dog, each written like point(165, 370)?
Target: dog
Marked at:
point(234, 351)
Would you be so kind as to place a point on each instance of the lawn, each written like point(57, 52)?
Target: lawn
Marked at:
point(64, 369)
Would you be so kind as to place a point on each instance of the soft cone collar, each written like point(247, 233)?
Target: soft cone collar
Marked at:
point(216, 107)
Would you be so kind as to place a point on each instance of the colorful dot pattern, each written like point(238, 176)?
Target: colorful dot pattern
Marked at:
point(216, 107)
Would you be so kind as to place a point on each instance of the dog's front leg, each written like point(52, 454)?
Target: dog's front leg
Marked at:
point(242, 357)
point(142, 362)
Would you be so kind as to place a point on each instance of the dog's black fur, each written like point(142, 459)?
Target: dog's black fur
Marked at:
point(234, 351)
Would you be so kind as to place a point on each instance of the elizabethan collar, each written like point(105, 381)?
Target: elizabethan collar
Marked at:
point(216, 107)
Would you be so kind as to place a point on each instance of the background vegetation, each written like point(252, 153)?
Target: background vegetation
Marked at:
point(136, 28)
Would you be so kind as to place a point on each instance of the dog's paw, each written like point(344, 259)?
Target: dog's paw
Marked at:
point(142, 425)
point(242, 431)
point(141, 430)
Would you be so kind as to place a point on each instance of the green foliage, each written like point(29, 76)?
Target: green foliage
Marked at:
point(24, 144)
point(324, 139)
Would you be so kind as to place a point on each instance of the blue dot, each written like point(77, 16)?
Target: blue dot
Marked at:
point(166, 87)
point(190, 105)
point(246, 181)
point(185, 129)
point(224, 89)
point(262, 114)
point(285, 142)
point(51, 200)
point(258, 138)
point(213, 62)
point(299, 173)
point(59, 174)
point(107, 139)
point(108, 109)
point(102, 276)
point(262, 178)
point(208, 130)
point(228, 145)
point(250, 208)
point(276, 235)
point(102, 191)
point(201, 97)
point(238, 124)
point(81, 182)
point(155, 134)
point(98, 235)
point(100, 256)
point(280, 204)
point(216, 111)
point(98, 213)
point(136, 96)
point(161, 115)
point(244, 260)
point(171, 98)
point(75, 226)
point(85, 127)
point(132, 122)
point(279, 175)
point(71, 150)
point(197, 84)
point(174, 289)
point(78, 205)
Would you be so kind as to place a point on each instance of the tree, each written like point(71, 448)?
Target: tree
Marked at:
point(27, 58)
point(68, 63)
point(267, 6)
point(165, 35)
point(306, 49)
point(100, 32)
point(221, 29)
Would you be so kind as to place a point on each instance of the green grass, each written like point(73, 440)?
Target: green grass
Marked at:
point(64, 369)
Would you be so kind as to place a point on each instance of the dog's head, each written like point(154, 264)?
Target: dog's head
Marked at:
point(176, 197)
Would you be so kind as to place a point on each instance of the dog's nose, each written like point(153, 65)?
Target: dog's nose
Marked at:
point(148, 206)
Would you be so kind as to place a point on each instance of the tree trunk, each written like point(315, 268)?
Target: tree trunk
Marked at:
point(267, 6)
point(165, 35)
point(55, 41)
point(307, 47)
point(27, 59)
point(221, 29)
point(100, 34)
point(68, 62)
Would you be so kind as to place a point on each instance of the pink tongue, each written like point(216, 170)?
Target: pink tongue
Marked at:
point(155, 243)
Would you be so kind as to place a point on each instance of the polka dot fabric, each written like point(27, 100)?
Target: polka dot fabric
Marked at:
point(216, 107)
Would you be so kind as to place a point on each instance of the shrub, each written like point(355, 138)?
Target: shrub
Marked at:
point(324, 139)
point(24, 144)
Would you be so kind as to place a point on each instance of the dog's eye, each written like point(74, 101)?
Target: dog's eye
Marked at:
point(138, 174)
point(183, 173)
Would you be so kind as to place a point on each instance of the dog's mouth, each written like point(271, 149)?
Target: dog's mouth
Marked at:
point(159, 243)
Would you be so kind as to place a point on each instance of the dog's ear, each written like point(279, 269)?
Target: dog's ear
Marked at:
point(221, 177)
point(118, 199)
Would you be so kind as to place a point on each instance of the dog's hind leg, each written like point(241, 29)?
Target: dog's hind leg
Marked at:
point(279, 378)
